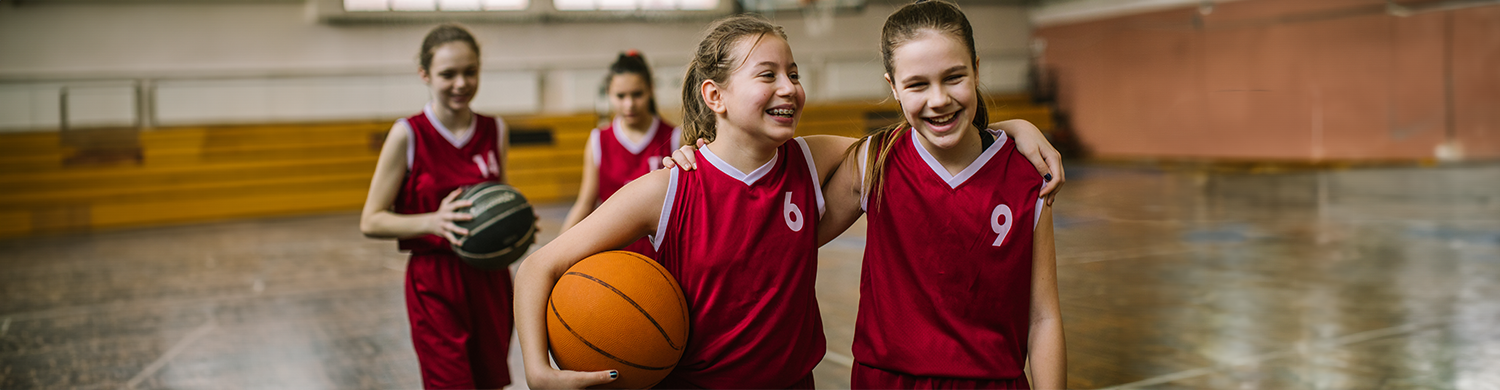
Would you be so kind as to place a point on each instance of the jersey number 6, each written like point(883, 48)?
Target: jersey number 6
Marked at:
point(792, 213)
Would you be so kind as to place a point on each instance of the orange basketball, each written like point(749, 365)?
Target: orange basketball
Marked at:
point(621, 311)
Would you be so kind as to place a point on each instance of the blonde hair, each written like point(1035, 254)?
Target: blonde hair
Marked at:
point(713, 61)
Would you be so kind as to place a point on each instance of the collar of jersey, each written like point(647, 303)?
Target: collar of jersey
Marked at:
point(634, 147)
point(955, 180)
point(437, 124)
point(731, 171)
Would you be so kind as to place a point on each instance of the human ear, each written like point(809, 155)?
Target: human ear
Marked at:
point(426, 77)
point(712, 96)
point(892, 84)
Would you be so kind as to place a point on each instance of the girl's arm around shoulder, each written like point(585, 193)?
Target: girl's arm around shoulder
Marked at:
point(1034, 145)
point(629, 214)
point(841, 194)
point(378, 221)
point(1048, 354)
point(828, 152)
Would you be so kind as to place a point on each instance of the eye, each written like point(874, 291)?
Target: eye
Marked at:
point(447, 74)
point(794, 76)
point(917, 85)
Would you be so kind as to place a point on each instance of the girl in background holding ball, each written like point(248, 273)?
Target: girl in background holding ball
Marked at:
point(460, 315)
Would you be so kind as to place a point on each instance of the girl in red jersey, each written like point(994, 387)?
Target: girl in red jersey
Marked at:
point(460, 315)
point(632, 145)
point(739, 234)
point(751, 207)
point(959, 285)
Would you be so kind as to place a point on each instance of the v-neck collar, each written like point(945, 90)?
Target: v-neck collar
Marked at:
point(452, 139)
point(956, 180)
point(731, 171)
point(635, 147)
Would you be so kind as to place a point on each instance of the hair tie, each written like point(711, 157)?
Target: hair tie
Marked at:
point(632, 53)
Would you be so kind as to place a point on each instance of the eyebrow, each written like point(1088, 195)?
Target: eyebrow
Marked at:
point(948, 71)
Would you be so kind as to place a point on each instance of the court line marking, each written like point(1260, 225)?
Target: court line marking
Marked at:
point(171, 353)
point(1337, 342)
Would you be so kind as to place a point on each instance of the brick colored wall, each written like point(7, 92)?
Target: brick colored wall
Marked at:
point(1294, 80)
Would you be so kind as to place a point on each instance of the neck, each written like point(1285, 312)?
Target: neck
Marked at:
point(637, 129)
point(456, 121)
point(744, 152)
point(959, 156)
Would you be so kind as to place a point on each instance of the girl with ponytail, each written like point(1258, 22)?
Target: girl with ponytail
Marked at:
point(632, 145)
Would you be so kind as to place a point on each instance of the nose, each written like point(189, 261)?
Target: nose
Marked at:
point(785, 87)
point(941, 97)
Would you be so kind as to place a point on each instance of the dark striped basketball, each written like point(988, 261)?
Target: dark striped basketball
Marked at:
point(621, 311)
point(503, 228)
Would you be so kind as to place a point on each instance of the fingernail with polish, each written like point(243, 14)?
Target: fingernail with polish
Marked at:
point(614, 374)
point(1047, 177)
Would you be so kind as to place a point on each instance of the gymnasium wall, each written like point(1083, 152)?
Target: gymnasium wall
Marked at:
point(182, 63)
point(1327, 80)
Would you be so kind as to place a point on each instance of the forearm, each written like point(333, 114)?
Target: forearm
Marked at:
point(534, 281)
point(1048, 357)
point(387, 224)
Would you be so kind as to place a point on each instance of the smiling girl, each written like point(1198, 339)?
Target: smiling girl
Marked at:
point(460, 315)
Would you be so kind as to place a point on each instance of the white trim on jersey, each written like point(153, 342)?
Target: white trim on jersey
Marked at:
point(593, 145)
point(864, 193)
point(634, 147)
point(1039, 203)
point(955, 180)
point(731, 171)
point(457, 143)
point(411, 143)
point(666, 210)
point(813, 170)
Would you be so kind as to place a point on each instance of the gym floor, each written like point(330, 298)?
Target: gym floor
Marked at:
point(1170, 278)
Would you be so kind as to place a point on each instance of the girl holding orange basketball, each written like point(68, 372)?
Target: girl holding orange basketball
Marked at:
point(460, 315)
point(632, 145)
point(959, 286)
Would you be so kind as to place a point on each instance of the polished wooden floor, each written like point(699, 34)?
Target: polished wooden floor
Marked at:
point(1385, 278)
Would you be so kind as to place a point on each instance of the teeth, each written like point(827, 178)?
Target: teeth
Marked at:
point(781, 112)
point(942, 119)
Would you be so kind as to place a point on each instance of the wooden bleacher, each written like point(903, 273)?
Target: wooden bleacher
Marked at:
point(214, 173)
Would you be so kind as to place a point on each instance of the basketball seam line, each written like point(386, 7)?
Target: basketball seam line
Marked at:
point(632, 303)
point(502, 252)
point(586, 342)
point(496, 219)
point(681, 300)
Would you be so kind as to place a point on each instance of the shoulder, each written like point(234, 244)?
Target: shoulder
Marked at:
point(401, 130)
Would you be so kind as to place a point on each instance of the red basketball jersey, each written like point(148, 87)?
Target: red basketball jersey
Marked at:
point(946, 284)
point(437, 162)
point(744, 249)
point(619, 160)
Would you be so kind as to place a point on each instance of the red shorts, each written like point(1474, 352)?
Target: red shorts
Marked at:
point(674, 383)
point(460, 322)
point(866, 377)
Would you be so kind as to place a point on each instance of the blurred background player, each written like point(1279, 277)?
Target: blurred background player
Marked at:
point(460, 315)
point(633, 144)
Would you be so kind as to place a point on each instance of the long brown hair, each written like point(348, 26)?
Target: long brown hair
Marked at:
point(714, 61)
point(901, 27)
